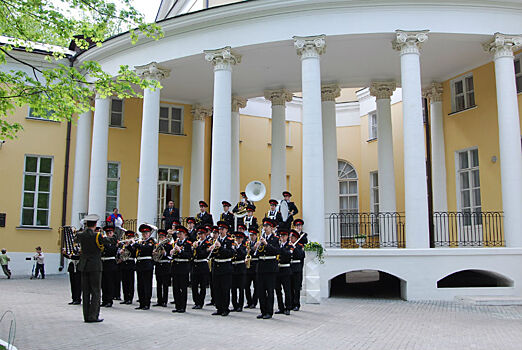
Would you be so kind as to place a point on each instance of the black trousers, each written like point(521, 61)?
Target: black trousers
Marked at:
point(117, 284)
point(199, 287)
point(221, 286)
point(144, 287)
point(108, 278)
point(39, 268)
point(127, 281)
point(297, 284)
point(251, 297)
point(238, 291)
point(284, 284)
point(162, 287)
point(180, 286)
point(91, 290)
point(75, 278)
point(265, 292)
point(7, 272)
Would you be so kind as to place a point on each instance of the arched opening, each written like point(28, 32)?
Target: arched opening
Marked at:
point(474, 279)
point(367, 284)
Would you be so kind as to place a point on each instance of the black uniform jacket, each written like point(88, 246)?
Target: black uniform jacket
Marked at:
point(253, 257)
point(250, 222)
point(239, 257)
point(181, 260)
point(201, 254)
point(144, 249)
point(110, 249)
point(298, 255)
point(169, 216)
point(285, 257)
point(163, 266)
point(228, 218)
point(271, 249)
point(204, 218)
point(224, 252)
point(129, 264)
point(90, 242)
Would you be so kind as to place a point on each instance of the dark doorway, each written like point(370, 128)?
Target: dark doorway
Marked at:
point(474, 279)
point(366, 284)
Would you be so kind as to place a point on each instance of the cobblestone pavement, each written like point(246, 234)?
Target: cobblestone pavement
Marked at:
point(45, 321)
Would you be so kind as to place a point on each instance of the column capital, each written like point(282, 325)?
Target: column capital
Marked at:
point(200, 113)
point(382, 89)
point(434, 92)
point(238, 102)
point(278, 97)
point(409, 41)
point(329, 92)
point(222, 59)
point(310, 46)
point(152, 71)
point(503, 45)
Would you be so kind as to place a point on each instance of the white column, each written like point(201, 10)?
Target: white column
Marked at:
point(509, 135)
point(278, 98)
point(382, 92)
point(329, 93)
point(221, 163)
point(80, 193)
point(415, 186)
point(98, 173)
point(197, 157)
point(148, 180)
point(237, 103)
point(309, 50)
point(438, 155)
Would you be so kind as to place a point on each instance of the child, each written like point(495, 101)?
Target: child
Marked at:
point(4, 261)
point(39, 257)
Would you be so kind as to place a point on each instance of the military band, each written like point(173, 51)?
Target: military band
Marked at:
point(241, 267)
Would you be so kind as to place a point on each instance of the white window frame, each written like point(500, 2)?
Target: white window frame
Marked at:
point(122, 113)
point(519, 74)
point(465, 93)
point(36, 188)
point(471, 188)
point(108, 211)
point(348, 179)
point(374, 188)
point(372, 126)
point(34, 117)
point(179, 182)
point(182, 126)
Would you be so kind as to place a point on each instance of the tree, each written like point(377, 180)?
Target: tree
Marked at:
point(64, 90)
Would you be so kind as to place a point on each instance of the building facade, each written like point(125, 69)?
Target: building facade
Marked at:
point(391, 128)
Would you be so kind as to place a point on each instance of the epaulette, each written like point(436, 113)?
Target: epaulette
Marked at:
point(189, 242)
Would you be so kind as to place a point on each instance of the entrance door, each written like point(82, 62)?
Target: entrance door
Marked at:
point(169, 188)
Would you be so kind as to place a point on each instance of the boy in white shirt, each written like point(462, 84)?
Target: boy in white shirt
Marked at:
point(39, 257)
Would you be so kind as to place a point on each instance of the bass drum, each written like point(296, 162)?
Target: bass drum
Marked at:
point(283, 209)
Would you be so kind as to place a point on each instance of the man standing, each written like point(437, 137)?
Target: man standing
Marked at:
point(251, 297)
point(181, 254)
point(144, 266)
point(169, 215)
point(110, 268)
point(4, 261)
point(296, 264)
point(284, 276)
point(222, 253)
point(267, 249)
point(298, 226)
point(227, 216)
point(238, 275)
point(127, 253)
point(203, 217)
point(200, 269)
point(90, 266)
point(40, 262)
point(162, 263)
point(292, 210)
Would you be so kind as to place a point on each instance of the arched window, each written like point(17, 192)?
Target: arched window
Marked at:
point(348, 187)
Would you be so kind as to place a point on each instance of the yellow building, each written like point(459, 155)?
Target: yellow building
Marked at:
point(378, 177)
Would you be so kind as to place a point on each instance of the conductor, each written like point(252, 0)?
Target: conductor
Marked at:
point(90, 266)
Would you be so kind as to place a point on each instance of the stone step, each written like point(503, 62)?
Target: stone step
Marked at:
point(494, 300)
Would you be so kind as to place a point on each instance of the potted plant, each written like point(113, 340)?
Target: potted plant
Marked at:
point(360, 239)
point(317, 248)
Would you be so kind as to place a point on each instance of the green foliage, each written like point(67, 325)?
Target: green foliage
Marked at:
point(317, 248)
point(65, 90)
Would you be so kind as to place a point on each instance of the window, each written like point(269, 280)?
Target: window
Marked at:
point(372, 126)
point(469, 184)
point(518, 74)
point(462, 92)
point(374, 192)
point(113, 187)
point(348, 188)
point(36, 198)
point(171, 120)
point(169, 187)
point(116, 113)
point(48, 115)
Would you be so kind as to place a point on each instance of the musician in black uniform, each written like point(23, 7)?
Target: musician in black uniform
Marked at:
point(296, 264)
point(90, 265)
point(238, 275)
point(144, 266)
point(298, 226)
point(284, 276)
point(213, 234)
point(267, 249)
point(169, 215)
point(227, 215)
point(273, 213)
point(181, 256)
point(250, 278)
point(110, 268)
point(126, 256)
point(75, 276)
point(203, 217)
point(250, 220)
point(222, 253)
point(200, 268)
point(292, 210)
point(192, 229)
point(243, 203)
point(162, 264)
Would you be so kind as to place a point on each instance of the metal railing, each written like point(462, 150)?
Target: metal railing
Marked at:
point(366, 230)
point(468, 229)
